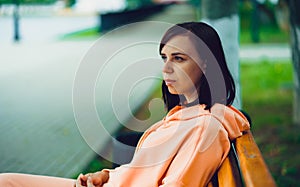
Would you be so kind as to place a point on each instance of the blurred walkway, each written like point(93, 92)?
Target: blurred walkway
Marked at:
point(45, 28)
point(38, 133)
point(271, 52)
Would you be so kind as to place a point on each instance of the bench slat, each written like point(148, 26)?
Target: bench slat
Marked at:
point(228, 174)
point(253, 168)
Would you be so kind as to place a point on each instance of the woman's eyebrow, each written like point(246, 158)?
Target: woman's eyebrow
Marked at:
point(174, 54)
point(178, 53)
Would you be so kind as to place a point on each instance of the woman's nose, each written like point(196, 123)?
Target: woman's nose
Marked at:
point(167, 68)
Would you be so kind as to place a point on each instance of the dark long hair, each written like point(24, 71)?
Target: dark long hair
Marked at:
point(216, 84)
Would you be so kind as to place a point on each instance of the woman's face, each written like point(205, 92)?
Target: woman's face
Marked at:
point(181, 71)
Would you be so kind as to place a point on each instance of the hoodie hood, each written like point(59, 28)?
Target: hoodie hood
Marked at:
point(234, 122)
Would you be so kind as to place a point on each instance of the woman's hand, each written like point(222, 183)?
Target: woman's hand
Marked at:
point(92, 179)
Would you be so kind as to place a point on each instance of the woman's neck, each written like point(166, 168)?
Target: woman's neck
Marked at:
point(195, 102)
point(191, 97)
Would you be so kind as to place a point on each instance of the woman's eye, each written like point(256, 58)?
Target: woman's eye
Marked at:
point(178, 59)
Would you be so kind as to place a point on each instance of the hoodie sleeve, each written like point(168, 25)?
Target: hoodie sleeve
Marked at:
point(201, 154)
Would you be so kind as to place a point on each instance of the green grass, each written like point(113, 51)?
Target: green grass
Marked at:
point(268, 97)
point(266, 35)
point(270, 80)
point(89, 33)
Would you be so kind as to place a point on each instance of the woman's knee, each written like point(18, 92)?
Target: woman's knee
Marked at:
point(28, 180)
point(6, 179)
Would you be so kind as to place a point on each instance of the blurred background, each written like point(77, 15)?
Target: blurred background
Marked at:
point(43, 41)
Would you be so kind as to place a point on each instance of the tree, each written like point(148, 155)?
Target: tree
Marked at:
point(294, 8)
point(223, 16)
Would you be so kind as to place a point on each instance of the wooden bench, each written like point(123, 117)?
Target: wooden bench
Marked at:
point(244, 166)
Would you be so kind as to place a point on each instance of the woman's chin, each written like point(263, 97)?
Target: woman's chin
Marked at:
point(172, 90)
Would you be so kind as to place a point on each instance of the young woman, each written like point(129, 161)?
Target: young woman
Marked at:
point(189, 144)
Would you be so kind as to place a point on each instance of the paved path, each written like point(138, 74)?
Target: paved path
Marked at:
point(271, 52)
point(38, 133)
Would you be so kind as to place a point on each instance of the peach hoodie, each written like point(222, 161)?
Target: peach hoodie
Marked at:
point(183, 149)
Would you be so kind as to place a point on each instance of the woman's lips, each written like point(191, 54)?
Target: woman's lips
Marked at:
point(169, 82)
